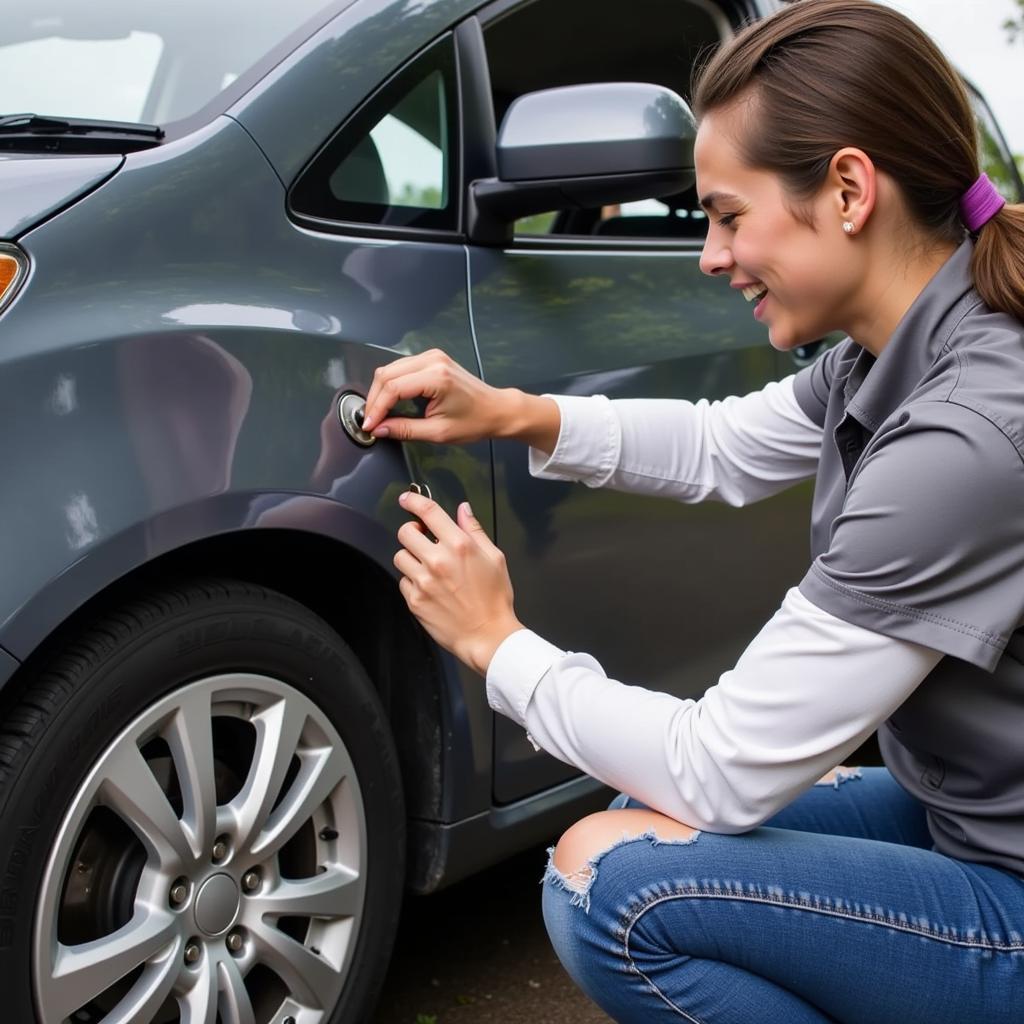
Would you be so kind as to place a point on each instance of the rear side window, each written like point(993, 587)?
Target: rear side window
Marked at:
point(392, 164)
point(995, 158)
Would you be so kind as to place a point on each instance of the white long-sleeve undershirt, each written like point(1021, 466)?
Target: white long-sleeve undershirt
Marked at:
point(737, 450)
point(805, 693)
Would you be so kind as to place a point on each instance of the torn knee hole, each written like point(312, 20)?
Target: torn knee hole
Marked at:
point(579, 879)
point(838, 776)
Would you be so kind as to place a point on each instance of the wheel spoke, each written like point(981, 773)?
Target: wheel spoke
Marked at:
point(199, 1004)
point(84, 971)
point(278, 730)
point(142, 1001)
point(334, 893)
point(235, 1004)
point(321, 771)
point(131, 789)
point(311, 979)
point(190, 737)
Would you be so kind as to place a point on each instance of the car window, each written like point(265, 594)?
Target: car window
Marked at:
point(391, 164)
point(570, 42)
point(996, 161)
point(122, 60)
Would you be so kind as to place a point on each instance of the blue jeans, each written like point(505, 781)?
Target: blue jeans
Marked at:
point(835, 910)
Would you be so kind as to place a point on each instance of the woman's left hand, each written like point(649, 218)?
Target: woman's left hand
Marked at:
point(457, 586)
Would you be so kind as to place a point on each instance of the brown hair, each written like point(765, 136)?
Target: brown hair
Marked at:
point(824, 74)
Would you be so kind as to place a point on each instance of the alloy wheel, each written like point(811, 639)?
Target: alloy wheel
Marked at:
point(211, 866)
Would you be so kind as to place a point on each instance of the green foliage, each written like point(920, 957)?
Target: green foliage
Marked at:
point(1015, 26)
point(427, 198)
point(538, 224)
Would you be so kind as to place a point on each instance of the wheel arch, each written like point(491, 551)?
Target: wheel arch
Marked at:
point(334, 576)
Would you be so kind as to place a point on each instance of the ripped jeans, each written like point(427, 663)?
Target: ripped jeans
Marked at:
point(835, 910)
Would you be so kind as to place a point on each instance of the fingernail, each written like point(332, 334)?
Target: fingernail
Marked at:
point(469, 508)
point(403, 497)
point(382, 432)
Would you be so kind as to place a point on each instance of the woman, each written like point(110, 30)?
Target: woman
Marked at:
point(836, 157)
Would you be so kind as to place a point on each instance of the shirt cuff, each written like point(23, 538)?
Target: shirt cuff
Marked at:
point(589, 442)
point(518, 665)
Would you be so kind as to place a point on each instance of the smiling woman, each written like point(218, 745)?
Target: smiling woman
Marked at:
point(719, 881)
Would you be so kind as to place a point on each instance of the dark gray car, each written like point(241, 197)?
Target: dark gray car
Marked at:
point(226, 749)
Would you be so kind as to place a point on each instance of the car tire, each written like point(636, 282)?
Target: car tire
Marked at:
point(201, 819)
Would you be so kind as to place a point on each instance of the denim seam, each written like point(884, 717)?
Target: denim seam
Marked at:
point(789, 904)
point(813, 907)
point(661, 995)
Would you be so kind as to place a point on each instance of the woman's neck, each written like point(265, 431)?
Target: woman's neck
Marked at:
point(891, 289)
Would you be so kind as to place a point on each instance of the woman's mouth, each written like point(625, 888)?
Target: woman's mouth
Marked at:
point(756, 293)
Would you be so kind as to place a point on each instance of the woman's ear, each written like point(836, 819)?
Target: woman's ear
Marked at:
point(853, 180)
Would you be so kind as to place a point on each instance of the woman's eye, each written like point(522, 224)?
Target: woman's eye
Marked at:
point(726, 219)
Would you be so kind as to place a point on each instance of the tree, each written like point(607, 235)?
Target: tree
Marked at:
point(1015, 26)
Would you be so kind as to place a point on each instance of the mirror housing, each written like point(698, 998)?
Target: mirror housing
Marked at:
point(583, 146)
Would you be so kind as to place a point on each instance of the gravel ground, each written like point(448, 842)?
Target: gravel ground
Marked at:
point(477, 953)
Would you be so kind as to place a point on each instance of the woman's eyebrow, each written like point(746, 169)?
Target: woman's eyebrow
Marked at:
point(708, 201)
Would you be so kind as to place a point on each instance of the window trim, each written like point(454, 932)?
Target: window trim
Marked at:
point(355, 121)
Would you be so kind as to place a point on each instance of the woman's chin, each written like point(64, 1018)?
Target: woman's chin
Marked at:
point(785, 339)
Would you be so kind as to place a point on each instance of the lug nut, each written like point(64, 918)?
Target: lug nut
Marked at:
point(179, 892)
point(251, 881)
point(235, 942)
point(192, 952)
point(220, 849)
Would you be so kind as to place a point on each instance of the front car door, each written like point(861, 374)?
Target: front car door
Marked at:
point(612, 302)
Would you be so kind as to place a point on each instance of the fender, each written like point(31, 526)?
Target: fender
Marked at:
point(465, 736)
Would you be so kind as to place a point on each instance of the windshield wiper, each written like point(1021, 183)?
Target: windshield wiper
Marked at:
point(78, 134)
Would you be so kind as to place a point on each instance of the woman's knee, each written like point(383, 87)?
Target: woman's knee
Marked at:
point(589, 837)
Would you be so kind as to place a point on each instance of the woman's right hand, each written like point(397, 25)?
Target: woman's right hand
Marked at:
point(462, 408)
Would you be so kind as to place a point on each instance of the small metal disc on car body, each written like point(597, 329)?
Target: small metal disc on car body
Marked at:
point(420, 489)
point(350, 411)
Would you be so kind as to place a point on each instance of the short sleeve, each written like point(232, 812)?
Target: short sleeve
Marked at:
point(929, 546)
point(811, 386)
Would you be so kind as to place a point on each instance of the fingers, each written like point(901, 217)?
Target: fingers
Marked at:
point(394, 390)
point(405, 428)
point(410, 567)
point(468, 522)
point(412, 537)
point(404, 378)
point(436, 520)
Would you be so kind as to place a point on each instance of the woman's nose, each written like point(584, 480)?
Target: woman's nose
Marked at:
point(716, 256)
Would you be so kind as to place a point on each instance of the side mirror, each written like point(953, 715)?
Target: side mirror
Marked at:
point(583, 146)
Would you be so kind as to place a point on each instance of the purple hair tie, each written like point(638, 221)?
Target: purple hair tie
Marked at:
point(980, 203)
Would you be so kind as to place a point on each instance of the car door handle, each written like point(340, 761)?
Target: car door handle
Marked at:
point(804, 355)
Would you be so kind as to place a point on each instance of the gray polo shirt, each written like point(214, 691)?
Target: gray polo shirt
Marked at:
point(917, 532)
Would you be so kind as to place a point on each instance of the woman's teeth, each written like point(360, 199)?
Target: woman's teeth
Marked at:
point(755, 291)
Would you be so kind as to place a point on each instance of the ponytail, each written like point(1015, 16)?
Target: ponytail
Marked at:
point(998, 263)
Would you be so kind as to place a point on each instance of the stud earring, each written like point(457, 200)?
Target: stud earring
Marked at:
point(848, 226)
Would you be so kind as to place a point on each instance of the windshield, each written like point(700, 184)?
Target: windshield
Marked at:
point(136, 60)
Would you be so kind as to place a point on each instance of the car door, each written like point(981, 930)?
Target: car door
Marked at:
point(613, 302)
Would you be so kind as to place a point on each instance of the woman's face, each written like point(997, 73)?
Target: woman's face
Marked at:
point(804, 278)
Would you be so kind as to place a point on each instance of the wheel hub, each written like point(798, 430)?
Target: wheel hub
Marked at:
point(216, 904)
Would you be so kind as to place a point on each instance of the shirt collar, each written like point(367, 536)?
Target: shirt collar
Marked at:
point(875, 387)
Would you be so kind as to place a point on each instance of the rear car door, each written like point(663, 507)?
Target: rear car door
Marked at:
point(612, 301)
